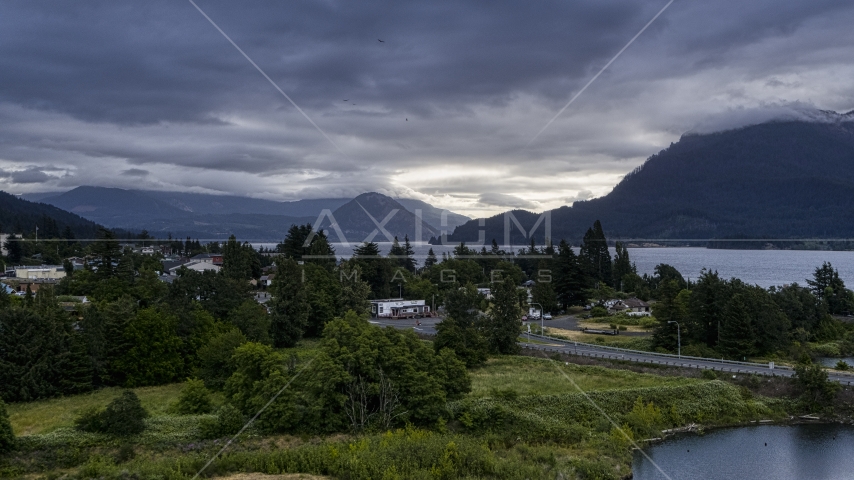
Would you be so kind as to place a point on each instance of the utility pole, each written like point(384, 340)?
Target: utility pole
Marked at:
point(678, 337)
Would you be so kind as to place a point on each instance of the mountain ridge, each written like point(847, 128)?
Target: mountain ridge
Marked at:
point(780, 179)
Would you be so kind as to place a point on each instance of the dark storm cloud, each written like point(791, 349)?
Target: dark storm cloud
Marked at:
point(135, 172)
point(149, 92)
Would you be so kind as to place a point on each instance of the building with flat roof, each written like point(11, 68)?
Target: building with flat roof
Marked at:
point(399, 308)
point(53, 272)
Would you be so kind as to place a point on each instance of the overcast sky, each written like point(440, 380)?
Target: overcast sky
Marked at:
point(150, 95)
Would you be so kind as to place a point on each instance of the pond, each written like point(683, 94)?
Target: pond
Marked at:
point(832, 361)
point(778, 452)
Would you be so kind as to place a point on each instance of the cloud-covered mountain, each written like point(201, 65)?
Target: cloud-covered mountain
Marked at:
point(217, 216)
point(780, 179)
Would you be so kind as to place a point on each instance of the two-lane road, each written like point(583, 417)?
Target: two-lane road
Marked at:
point(427, 326)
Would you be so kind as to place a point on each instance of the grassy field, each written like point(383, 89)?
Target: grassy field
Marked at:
point(44, 416)
point(534, 376)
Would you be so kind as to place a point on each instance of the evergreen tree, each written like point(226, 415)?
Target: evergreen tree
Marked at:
point(409, 262)
point(355, 292)
point(375, 270)
point(460, 330)
point(622, 266)
point(125, 270)
point(289, 305)
point(239, 262)
point(431, 259)
point(568, 277)
point(7, 436)
point(154, 356)
point(737, 331)
point(709, 297)
point(108, 252)
point(504, 319)
point(595, 257)
point(827, 286)
point(14, 249)
point(672, 306)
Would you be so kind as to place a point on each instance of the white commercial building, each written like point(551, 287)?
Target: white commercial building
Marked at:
point(399, 308)
point(53, 272)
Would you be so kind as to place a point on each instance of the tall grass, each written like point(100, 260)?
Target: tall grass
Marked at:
point(44, 416)
point(540, 376)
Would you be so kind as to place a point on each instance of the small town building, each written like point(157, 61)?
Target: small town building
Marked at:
point(212, 258)
point(631, 306)
point(399, 308)
point(54, 272)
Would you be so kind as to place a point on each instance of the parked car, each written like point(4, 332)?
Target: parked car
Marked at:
point(547, 316)
point(524, 318)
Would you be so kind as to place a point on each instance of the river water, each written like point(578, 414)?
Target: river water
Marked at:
point(767, 452)
point(761, 267)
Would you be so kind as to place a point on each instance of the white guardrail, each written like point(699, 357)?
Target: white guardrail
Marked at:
point(657, 354)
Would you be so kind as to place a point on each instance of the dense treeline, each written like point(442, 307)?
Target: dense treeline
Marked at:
point(138, 330)
point(720, 317)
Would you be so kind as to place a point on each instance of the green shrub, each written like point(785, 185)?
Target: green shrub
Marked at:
point(826, 349)
point(648, 322)
point(842, 365)
point(195, 399)
point(228, 422)
point(598, 311)
point(215, 365)
point(7, 436)
point(709, 374)
point(123, 416)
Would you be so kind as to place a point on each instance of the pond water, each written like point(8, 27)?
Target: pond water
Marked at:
point(831, 361)
point(772, 452)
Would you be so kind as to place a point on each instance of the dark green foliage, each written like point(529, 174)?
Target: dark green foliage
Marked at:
point(376, 271)
point(228, 422)
point(817, 389)
point(218, 294)
point(569, 281)
point(253, 321)
point(623, 267)
point(737, 331)
point(365, 377)
point(464, 339)
point(354, 291)
point(195, 398)
point(431, 259)
point(13, 245)
point(123, 416)
point(290, 304)
point(108, 252)
point(239, 262)
point(214, 358)
point(828, 287)
point(154, 356)
point(504, 319)
point(460, 329)
point(803, 309)
point(594, 256)
point(7, 436)
point(35, 354)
